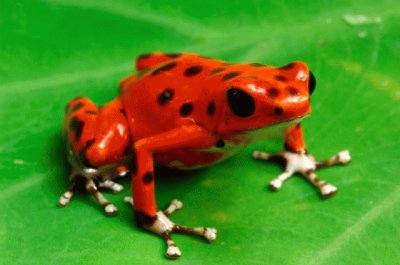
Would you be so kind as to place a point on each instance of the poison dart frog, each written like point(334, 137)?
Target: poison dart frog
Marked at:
point(185, 111)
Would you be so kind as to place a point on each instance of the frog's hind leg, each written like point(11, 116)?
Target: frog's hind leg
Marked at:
point(66, 197)
point(120, 170)
point(109, 208)
point(89, 174)
point(109, 184)
point(98, 143)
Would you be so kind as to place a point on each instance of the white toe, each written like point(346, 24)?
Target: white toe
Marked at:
point(275, 184)
point(260, 155)
point(178, 204)
point(63, 201)
point(256, 154)
point(129, 200)
point(344, 156)
point(111, 209)
point(173, 252)
point(210, 234)
point(117, 188)
point(328, 190)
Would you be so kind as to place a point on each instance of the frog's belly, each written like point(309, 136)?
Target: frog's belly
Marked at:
point(192, 159)
point(196, 158)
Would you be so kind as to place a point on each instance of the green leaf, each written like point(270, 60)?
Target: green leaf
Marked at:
point(54, 50)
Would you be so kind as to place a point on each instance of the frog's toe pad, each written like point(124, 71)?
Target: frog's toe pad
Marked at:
point(111, 210)
point(128, 200)
point(117, 188)
point(173, 252)
point(344, 156)
point(275, 184)
point(260, 155)
point(164, 227)
point(64, 199)
point(109, 184)
point(328, 191)
point(177, 203)
point(174, 206)
point(210, 234)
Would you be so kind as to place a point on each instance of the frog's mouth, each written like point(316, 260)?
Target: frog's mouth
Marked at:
point(274, 130)
point(239, 140)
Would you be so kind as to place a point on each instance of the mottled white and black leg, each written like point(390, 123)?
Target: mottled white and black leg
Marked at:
point(306, 165)
point(66, 197)
point(90, 186)
point(109, 208)
point(163, 226)
point(109, 184)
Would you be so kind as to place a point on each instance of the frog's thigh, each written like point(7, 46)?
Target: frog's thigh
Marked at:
point(101, 134)
point(111, 136)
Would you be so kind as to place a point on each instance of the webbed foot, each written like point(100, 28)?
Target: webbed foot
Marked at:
point(90, 185)
point(306, 165)
point(109, 208)
point(163, 226)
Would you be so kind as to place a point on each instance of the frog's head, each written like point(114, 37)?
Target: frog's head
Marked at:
point(265, 96)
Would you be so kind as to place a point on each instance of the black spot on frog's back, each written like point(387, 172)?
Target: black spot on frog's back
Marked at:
point(216, 71)
point(173, 55)
point(164, 68)
point(165, 96)
point(287, 67)
point(211, 108)
point(76, 126)
point(230, 75)
point(193, 70)
point(186, 109)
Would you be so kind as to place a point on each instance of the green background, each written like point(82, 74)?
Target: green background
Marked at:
point(51, 51)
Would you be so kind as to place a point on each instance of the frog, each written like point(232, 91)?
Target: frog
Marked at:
point(186, 111)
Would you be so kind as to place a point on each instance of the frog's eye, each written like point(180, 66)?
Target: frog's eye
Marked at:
point(241, 103)
point(311, 83)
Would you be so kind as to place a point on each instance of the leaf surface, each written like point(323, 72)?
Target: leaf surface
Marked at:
point(54, 50)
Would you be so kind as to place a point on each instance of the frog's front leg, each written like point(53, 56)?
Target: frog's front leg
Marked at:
point(144, 203)
point(295, 159)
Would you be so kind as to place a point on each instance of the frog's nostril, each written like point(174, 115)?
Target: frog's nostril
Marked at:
point(311, 83)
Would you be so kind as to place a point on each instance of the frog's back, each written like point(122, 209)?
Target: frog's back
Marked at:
point(168, 91)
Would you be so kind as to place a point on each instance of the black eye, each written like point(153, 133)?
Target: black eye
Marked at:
point(311, 83)
point(241, 103)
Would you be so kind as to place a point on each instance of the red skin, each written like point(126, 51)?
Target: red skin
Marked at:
point(106, 125)
point(159, 132)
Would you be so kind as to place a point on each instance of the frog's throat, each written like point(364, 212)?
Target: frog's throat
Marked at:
point(274, 130)
point(284, 123)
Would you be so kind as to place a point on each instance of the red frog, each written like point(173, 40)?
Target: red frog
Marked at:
point(186, 111)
